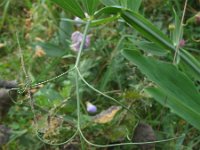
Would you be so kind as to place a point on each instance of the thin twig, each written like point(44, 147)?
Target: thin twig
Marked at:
point(54, 78)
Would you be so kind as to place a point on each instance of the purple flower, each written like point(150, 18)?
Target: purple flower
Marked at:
point(77, 38)
point(181, 43)
point(91, 108)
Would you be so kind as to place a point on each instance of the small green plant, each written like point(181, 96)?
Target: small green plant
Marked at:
point(99, 66)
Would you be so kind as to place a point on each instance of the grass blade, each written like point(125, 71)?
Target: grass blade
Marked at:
point(71, 6)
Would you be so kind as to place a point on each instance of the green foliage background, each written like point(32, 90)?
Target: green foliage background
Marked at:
point(129, 63)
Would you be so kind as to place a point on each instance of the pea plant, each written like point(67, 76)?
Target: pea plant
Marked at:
point(124, 81)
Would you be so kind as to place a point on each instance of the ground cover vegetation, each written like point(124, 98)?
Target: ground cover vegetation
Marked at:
point(99, 74)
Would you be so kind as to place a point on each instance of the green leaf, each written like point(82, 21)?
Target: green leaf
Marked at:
point(51, 50)
point(103, 21)
point(150, 47)
point(47, 97)
point(167, 77)
point(191, 61)
point(173, 82)
point(108, 11)
point(90, 5)
point(177, 32)
point(133, 5)
point(110, 2)
point(180, 108)
point(148, 30)
point(71, 6)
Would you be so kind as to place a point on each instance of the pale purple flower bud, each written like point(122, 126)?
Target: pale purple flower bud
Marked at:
point(77, 38)
point(91, 108)
point(181, 43)
point(77, 19)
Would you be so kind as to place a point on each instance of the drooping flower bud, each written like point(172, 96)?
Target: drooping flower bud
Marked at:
point(91, 108)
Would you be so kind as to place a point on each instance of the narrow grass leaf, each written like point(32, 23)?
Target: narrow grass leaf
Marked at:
point(110, 2)
point(150, 47)
point(134, 5)
point(71, 6)
point(90, 6)
point(167, 77)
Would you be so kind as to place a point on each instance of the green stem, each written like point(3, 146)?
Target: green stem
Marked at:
point(77, 75)
point(82, 44)
point(101, 93)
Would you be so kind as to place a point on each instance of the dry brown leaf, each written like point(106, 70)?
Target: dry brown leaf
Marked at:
point(106, 115)
point(2, 45)
point(39, 39)
point(39, 52)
